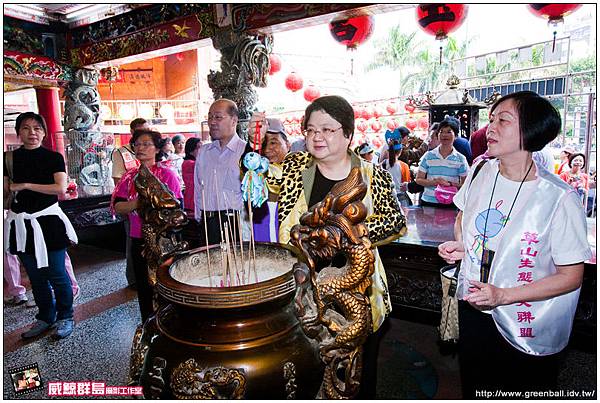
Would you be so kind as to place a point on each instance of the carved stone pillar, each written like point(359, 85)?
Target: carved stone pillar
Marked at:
point(82, 110)
point(244, 64)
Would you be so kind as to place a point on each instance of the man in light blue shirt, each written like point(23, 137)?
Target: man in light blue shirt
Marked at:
point(217, 181)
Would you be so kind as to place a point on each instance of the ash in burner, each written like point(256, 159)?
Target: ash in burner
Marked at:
point(271, 261)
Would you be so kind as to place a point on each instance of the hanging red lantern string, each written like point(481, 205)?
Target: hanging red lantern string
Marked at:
point(554, 13)
point(392, 124)
point(423, 122)
point(311, 93)
point(274, 64)
point(411, 123)
point(441, 19)
point(293, 82)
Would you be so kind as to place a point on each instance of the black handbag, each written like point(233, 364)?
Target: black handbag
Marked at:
point(413, 187)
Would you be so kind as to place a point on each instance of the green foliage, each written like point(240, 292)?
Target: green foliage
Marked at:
point(419, 70)
point(584, 64)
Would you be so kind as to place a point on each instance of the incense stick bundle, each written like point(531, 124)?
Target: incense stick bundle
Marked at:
point(206, 235)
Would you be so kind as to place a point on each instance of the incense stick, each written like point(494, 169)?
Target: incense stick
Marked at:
point(239, 224)
point(218, 205)
point(252, 241)
point(232, 237)
point(206, 235)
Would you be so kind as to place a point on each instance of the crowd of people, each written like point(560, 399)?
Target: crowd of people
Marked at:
point(502, 223)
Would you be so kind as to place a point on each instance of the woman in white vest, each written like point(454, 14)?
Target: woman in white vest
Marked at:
point(521, 235)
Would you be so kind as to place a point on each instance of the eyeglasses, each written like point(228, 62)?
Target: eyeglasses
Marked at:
point(326, 132)
point(143, 144)
point(218, 118)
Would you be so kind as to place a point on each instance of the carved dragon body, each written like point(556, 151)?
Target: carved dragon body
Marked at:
point(163, 218)
point(334, 226)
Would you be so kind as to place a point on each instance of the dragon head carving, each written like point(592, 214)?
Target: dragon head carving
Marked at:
point(334, 221)
point(163, 220)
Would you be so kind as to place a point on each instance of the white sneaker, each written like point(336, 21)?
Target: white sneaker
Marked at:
point(16, 300)
point(30, 304)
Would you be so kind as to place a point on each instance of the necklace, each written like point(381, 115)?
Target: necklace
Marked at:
point(487, 255)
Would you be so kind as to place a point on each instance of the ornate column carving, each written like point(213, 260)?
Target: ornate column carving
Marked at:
point(244, 64)
point(82, 110)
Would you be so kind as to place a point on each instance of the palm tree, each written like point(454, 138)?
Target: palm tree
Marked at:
point(418, 70)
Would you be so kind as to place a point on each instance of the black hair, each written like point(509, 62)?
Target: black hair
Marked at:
point(190, 146)
point(157, 139)
point(30, 115)
point(404, 131)
point(137, 122)
point(452, 123)
point(435, 127)
point(336, 107)
point(539, 121)
point(572, 157)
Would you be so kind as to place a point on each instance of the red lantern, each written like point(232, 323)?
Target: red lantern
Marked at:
point(358, 112)
point(411, 123)
point(410, 108)
point(311, 93)
point(440, 19)
point(423, 122)
point(377, 112)
point(377, 142)
point(274, 64)
point(554, 13)
point(163, 58)
point(367, 113)
point(352, 31)
point(180, 57)
point(293, 82)
point(376, 125)
point(392, 124)
point(391, 108)
point(362, 126)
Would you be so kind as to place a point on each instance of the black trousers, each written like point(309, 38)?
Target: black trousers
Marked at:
point(488, 362)
point(368, 382)
point(216, 227)
point(140, 268)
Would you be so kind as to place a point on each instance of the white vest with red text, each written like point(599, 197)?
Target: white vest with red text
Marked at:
point(524, 255)
point(129, 160)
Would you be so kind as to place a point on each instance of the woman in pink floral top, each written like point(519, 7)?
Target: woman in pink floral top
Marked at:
point(147, 144)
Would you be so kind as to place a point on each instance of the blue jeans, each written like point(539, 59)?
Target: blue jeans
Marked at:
point(42, 280)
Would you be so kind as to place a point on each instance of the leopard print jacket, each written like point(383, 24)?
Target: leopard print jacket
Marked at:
point(385, 223)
